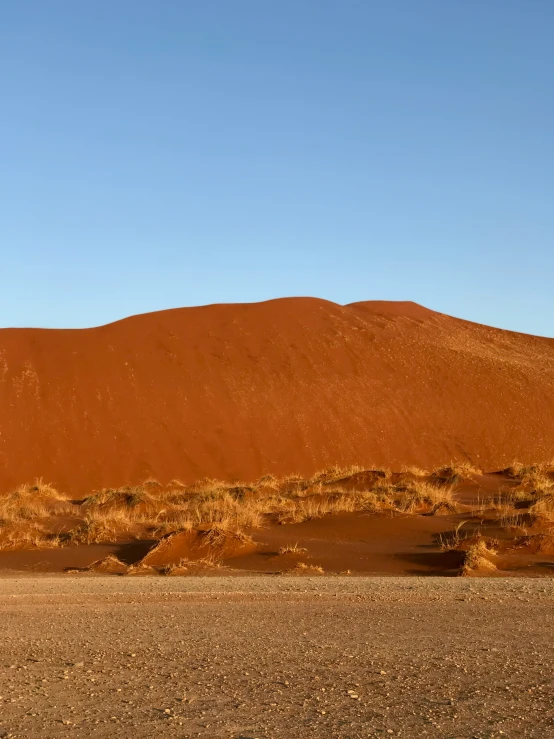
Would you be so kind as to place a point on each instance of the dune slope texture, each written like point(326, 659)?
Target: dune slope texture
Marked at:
point(291, 385)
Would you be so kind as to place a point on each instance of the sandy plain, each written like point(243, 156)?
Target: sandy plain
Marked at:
point(270, 657)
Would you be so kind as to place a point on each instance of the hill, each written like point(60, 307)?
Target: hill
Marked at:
point(289, 385)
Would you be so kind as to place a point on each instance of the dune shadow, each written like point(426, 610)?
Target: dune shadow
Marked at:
point(546, 565)
point(133, 551)
point(433, 564)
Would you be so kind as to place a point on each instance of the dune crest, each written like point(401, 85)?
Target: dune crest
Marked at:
point(291, 385)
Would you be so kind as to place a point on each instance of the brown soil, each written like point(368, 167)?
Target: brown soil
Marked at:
point(276, 658)
point(292, 385)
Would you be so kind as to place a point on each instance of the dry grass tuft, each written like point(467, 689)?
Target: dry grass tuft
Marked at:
point(455, 473)
point(528, 504)
point(415, 471)
point(218, 536)
point(267, 481)
point(543, 508)
point(32, 502)
point(514, 470)
point(192, 566)
point(466, 469)
point(292, 549)
point(177, 568)
point(297, 510)
point(418, 496)
point(444, 508)
point(478, 557)
point(33, 536)
point(41, 489)
point(335, 473)
point(451, 540)
point(538, 484)
point(525, 473)
point(95, 529)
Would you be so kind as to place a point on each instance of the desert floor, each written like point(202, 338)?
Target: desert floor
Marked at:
point(248, 657)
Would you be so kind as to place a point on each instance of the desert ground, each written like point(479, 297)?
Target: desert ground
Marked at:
point(264, 657)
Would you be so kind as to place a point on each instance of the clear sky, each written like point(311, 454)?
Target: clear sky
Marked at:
point(162, 153)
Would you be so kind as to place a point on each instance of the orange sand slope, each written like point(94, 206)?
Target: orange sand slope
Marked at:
point(290, 385)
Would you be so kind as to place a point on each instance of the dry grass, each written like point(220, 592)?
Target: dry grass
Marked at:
point(455, 473)
point(514, 470)
point(218, 536)
point(528, 504)
point(515, 521)
point(95, 529)
point(466, 469)
point(292, 549)
point(478, 557)
point(41, 489)
point(218, 508)
point(524, 472)
point(156, 510)
point(33, 536)
point(222, 515)
point(189, 566)
point(418, 496)
point(291, 510)
point(32, 502)
point(110, 560)
point(415, 471)
point(543, 508)
point(28, 515)
point(176, 568)
point(108, 565)
point(452, 540)
point(444, 508)
point(335, 473)
point(538, 484)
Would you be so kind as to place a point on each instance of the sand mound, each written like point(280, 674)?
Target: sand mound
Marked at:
point(292, 385)
point(110, 565)
point(478, 559)
point(209, 544)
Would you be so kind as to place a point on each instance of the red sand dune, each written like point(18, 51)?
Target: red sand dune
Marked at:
point(291, 385)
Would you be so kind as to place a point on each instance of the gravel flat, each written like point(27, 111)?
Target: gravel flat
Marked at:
point(269, 657)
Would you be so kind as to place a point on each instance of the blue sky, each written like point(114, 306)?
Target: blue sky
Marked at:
point(183, 152)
